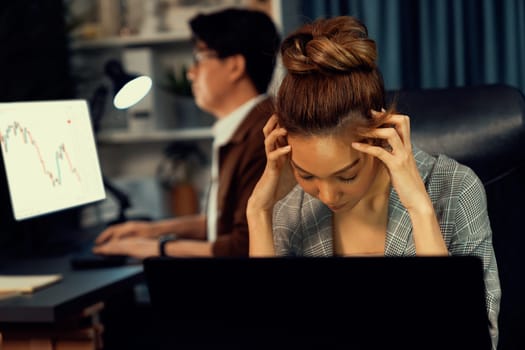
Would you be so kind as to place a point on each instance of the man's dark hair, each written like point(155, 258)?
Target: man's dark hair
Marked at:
point(250, 33)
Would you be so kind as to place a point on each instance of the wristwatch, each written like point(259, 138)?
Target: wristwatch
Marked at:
point(163, 240)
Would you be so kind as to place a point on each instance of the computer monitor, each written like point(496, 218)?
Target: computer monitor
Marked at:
point(49, 156)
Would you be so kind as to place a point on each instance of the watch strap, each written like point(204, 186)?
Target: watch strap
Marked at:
point(163, 240)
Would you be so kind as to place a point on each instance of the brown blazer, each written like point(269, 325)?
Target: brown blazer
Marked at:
point(241, 164)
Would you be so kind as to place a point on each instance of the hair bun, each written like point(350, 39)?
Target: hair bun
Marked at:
point(340, 44)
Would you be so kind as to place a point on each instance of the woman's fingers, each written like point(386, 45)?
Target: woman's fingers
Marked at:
point(400, 122)
point(272, 122)
point(402, 126)
point(393, 149)
point(275, 139)
point(271, 141)
point(279, 152)
point(395, 131)
point(392, 141)
point(375, 151)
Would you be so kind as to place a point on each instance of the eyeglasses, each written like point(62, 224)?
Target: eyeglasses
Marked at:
point(201, 55)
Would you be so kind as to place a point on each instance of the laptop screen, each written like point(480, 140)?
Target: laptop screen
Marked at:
point(50, 157)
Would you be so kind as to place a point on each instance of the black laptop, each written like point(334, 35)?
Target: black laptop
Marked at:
point(319, 303)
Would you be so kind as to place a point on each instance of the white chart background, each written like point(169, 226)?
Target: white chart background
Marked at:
point(50, 156)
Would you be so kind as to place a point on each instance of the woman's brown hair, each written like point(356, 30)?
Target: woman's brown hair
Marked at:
point(332, 79)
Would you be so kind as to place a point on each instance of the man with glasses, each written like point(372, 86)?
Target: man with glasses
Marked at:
point(234, 55)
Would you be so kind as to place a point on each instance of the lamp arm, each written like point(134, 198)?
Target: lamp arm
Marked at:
point(121, 197)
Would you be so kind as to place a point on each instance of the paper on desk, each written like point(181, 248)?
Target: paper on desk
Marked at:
point(26, 283)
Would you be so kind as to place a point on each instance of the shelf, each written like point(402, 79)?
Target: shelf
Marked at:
point(132, 40)
point(125, 136)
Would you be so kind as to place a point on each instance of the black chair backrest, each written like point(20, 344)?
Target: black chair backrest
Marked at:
point(480, 126)
point(483, 128)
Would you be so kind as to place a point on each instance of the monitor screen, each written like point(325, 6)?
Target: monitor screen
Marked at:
point(50, 156)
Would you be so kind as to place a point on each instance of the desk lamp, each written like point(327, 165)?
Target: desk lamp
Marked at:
point(128, 90)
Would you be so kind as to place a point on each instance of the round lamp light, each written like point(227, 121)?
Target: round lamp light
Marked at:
point(128, 88)
point(132, 92)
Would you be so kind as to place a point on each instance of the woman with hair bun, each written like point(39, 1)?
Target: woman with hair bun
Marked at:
point(342, 177)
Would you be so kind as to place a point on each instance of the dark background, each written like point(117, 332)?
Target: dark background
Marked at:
point(34, 65)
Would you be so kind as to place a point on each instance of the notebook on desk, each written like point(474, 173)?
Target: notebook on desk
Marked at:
point(369, 303)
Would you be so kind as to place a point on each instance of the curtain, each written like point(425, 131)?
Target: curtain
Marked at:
point(438, 43)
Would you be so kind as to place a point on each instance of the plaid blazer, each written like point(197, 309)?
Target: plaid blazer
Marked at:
point(302, 225)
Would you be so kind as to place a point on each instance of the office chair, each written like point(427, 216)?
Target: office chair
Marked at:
point(483, 128)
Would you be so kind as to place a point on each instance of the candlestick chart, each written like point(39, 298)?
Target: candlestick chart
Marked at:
point(49, 155)
point(16, 133)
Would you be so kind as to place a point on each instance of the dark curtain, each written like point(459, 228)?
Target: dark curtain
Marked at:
point(438, 43)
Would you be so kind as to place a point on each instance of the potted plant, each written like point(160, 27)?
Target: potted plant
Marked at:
point(176, 174)
point(187, 113)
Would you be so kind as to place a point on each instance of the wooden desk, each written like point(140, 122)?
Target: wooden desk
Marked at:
point(58, 304)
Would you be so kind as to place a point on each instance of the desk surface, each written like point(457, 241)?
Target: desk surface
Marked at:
point(77, 290)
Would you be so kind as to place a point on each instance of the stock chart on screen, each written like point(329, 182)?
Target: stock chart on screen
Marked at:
point(50, 156)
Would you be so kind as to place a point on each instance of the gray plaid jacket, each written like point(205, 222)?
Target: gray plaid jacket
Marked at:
point(302, 225)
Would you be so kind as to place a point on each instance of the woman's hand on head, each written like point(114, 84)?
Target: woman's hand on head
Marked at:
point(277, 179)
point(395, 152)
